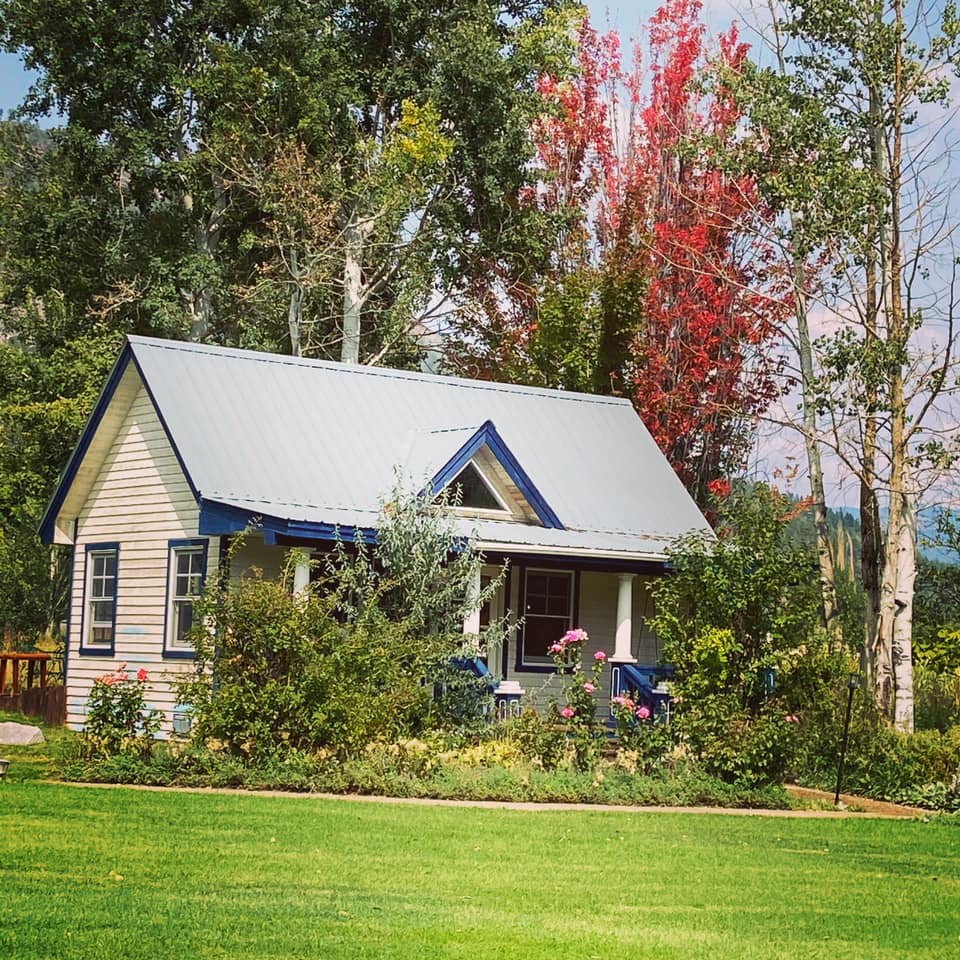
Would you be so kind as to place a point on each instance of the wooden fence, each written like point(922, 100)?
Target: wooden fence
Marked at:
point(24, 687)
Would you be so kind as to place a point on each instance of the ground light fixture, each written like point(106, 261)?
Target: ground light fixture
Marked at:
point(3, 768)
point(852, 685)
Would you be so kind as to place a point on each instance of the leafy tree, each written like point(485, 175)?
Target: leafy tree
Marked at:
point(181, 117)
point(868, 211)
point(655, 288)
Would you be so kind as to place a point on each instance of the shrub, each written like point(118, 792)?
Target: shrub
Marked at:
point(644, 742)
point(356, 658)
point(118, 721)
point(734, 613)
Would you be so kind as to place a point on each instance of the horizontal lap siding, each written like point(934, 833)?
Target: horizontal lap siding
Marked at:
point(140, 500)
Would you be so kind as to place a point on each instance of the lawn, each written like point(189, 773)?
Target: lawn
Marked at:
point(92, 872)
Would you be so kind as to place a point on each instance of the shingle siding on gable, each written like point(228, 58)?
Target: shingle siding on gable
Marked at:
point(140, 500)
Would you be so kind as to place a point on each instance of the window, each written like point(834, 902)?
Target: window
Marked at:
point(547, 611)
point(475, 492)
point(100, 609)
point(186, 569)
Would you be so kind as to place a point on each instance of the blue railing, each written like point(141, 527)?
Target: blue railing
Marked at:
point(643, 685)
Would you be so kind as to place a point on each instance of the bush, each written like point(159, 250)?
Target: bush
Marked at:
point(363, 655)
point(118, 722)
point(735, 613)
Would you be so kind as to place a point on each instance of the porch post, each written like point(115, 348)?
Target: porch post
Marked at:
point(621, 653)
point(301, 571)
point(471, 623)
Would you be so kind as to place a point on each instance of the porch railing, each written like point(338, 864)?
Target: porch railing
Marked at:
point(647, 685)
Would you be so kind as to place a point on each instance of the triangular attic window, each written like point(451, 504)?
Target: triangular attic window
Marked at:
point(475, 492)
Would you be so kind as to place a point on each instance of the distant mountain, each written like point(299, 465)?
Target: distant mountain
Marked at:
point(844, 525)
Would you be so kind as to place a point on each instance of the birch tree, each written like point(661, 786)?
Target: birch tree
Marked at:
point(878, 81)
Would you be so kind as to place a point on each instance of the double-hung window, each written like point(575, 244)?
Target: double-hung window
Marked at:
point(100, 609)
point(547, 612)
point(187, 565)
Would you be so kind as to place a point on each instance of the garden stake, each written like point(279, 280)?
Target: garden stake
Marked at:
point(851, 686)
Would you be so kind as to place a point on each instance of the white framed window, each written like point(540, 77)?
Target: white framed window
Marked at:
point(186, 569)
point(100, 591)
point(547, 612)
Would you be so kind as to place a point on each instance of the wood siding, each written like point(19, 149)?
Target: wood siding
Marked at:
point(140, 500)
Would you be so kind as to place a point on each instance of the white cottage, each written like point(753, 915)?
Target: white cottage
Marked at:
point(190, 444)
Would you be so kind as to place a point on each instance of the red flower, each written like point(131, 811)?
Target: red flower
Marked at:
point(141, 674)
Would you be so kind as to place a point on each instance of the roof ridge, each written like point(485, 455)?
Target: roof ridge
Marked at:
point(390, 373)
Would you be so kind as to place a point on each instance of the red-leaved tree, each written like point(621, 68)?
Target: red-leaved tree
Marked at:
point(660, 262)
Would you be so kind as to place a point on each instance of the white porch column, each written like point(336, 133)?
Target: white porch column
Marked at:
point(621, 653)
point(471, 623)
point(301, 571)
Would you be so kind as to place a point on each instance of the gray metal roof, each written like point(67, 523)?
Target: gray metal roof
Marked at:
point(315, 441)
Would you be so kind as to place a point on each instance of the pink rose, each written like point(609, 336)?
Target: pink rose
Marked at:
point(574, 636)
point(567, 712)
point(600, 655)
point(141, 674)
point(619, 701)
point(643, 713)
point(792, 718)
point(589, 687)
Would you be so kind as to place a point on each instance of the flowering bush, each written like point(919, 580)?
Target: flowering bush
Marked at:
point(579, 712)
point(647, 742)
point(118, 720)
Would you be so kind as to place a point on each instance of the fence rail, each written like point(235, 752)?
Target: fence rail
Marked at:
point(22, 694)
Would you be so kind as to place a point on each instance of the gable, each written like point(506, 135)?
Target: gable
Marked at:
point(500, 472)
point(85, 468)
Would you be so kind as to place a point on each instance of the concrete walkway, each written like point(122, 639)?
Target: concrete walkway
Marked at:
point(851, 807)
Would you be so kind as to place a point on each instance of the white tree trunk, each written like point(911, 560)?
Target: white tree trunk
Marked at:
point(352, 290)
point(903, 619)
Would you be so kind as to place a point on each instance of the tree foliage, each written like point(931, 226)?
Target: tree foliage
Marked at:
point(659, 287)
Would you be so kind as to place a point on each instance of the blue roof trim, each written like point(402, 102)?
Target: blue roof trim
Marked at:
point(220, 519)
point(48, 524)
point(487, 435)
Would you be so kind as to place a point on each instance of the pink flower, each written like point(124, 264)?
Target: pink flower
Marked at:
point(619, 701)
point(141, 674)
point(643, 713)
point(557, 648)
point(600, 655)
point(567, 712)
point(792, 718)
point(589, 687)
point(574, 636)
point(107, 680)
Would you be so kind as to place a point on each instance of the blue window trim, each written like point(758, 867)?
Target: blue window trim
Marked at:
point(104, 651)
point(519, 666)
point(488, 436)
point(172, 546)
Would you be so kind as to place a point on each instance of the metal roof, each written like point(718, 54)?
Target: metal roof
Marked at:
point(321, 442)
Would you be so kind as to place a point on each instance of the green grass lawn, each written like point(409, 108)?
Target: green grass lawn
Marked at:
point(91, 873)
point(39, 761)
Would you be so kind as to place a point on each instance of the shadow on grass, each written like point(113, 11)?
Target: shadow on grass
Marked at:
point(40, 761)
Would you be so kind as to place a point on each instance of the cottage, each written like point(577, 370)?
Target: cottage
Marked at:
point(191, 444)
